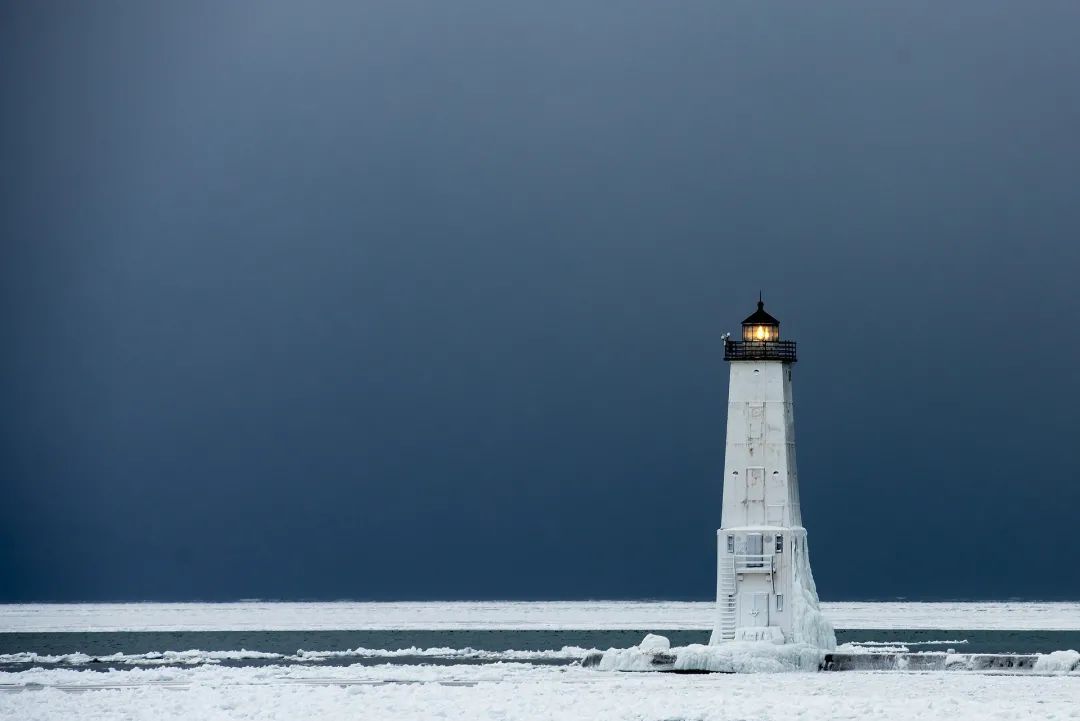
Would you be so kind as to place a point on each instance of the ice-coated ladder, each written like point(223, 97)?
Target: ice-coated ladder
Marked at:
point(725, 599)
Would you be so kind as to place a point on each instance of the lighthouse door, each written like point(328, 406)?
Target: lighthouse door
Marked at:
point(754, 609)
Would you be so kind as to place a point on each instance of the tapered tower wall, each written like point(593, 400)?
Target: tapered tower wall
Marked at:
point(761, 486)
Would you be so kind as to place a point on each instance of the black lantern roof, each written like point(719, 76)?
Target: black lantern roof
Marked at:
point(760, 317)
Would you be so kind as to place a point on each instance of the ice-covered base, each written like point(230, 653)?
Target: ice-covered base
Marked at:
point(807, 625)
point(732, 657)
point(772, 634)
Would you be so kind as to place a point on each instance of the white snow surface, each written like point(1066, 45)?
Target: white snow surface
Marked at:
point(575, 615)
point(512, 691)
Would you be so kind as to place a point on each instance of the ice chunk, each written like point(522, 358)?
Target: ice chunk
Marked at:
point(653, 642)
point(1058, 662)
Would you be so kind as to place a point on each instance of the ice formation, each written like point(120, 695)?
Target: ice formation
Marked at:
point(731, 657)
point(809, 625)
point(1058, 662)
point(654, 642)
point(654, 653)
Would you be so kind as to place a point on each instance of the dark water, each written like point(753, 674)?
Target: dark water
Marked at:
point(145, 645)
point(975, 641)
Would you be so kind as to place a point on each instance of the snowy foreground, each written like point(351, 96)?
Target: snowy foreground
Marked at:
point(517, 691)
point(571, 615)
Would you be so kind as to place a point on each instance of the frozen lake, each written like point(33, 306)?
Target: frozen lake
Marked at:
point(507, 615)
point(496, 660)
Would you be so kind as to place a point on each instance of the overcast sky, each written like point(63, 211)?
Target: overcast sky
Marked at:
point(423, 299)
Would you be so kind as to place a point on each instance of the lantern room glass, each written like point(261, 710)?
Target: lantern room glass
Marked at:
point(761, 332)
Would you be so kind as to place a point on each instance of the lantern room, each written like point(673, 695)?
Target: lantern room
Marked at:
point(760, 326)
point(760, 340)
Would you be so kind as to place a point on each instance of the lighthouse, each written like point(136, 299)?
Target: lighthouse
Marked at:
point(764, 588)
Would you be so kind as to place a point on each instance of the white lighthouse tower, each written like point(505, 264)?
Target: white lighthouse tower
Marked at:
point(764, 588)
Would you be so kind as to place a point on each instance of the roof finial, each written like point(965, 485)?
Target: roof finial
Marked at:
point(760, 302)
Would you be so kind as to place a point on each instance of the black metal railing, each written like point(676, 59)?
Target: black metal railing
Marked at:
point(748, 350)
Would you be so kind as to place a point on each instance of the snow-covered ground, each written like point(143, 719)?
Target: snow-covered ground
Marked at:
point(589, 615)
point(516, 691)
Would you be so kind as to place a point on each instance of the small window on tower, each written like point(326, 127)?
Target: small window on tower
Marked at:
point(779, 543)
point(731, 544)
point(779, 602)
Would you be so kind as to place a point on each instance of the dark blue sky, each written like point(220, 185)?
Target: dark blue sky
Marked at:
point(405, 299)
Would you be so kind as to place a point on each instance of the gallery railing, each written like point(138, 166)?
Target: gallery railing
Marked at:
point(740, 350)
point(753, 563)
